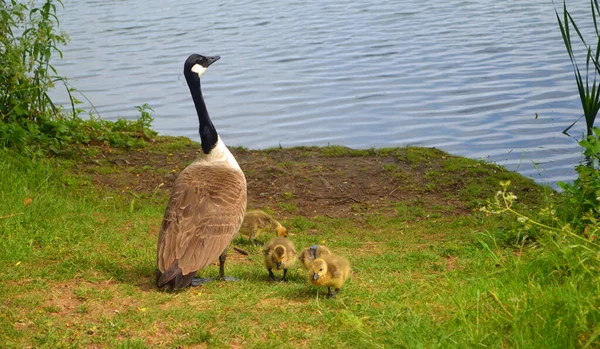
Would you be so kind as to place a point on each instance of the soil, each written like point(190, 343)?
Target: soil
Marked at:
point(305, 181)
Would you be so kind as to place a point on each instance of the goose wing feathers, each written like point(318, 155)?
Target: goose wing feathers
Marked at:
point(205, 211)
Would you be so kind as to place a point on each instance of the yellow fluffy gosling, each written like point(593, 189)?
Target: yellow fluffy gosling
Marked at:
point(279, 253)
point(330, 271)
point(309, 254)
point(257, 222)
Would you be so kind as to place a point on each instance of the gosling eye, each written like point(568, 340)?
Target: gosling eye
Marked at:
point(321, 269)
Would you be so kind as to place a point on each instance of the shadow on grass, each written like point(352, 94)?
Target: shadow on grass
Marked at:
point(141, 275)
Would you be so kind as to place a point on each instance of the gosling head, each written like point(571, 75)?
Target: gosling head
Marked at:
point(197, 64)
point(281, 231)
point(319, 268)
point(278, 256)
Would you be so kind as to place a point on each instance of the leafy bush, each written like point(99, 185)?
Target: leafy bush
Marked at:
point(28, 37)
point(582, 198)
point(572, 214)
point(563, 253)
point(29, 120)
point(573, 247)
point(61, 135)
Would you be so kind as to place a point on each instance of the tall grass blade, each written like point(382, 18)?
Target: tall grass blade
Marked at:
point(589, 93)
point(594, 4)
point(566, 130)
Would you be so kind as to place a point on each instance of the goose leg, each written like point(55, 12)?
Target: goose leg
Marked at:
point(271, 275)
point(222, 276)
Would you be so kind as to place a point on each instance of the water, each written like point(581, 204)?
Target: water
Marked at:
point(464, 76)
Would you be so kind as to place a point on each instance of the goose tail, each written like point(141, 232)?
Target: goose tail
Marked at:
point(173, 279)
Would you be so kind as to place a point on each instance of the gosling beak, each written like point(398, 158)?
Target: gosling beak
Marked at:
point(212, 59)
point(315, 276)
point(278, 265)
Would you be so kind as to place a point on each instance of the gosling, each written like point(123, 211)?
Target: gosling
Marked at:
point(279, 253)
point(309, 254)
point(256, 222)
point(331, 271)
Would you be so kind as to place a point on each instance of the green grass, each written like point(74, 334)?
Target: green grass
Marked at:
point(78, 266)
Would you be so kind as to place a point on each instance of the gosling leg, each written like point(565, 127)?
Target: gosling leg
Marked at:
point(284, 279)
point(332, 294)
point(271, 275)
point(253, 235)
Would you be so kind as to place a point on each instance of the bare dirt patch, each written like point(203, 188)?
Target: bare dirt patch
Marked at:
point(299, 181)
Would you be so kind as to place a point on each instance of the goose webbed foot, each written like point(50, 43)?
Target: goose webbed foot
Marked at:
point(200, 281)
point(229, 279)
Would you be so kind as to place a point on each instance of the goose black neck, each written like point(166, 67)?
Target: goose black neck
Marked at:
point(208, 133)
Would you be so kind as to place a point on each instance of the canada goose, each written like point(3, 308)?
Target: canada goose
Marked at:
point(207, 203)
point(309, 254)
point(331, 271)
point(257, 221)
point(279, 253)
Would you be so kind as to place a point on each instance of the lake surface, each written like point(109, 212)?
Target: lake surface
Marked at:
point(464, 76)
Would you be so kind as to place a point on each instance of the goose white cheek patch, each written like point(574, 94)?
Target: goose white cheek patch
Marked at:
point(198, 69)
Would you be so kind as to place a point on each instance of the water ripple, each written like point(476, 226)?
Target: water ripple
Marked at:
point(464, 76)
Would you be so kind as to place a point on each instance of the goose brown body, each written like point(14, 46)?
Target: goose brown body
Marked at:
point(204, 213)
point(309, 254)
point(207, 203)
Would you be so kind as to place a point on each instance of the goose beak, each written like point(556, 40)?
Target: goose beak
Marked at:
point(212, 59)
point(278, 265)
point(315, 276)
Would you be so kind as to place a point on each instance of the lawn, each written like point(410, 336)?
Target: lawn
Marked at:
point(78, 241)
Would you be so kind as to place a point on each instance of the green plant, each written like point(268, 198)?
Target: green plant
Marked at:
point(29, 120)
point(287, 195)
point(562, 241)
point(582, 197)
point(29, 36)
point(589, 94)
point(503, 203)
point(79, 249)
point(66, 135)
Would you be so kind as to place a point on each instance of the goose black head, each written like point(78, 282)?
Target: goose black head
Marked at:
point(197, 64)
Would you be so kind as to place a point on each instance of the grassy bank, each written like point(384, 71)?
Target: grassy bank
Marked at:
point(78, 237)
point(81, 202)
